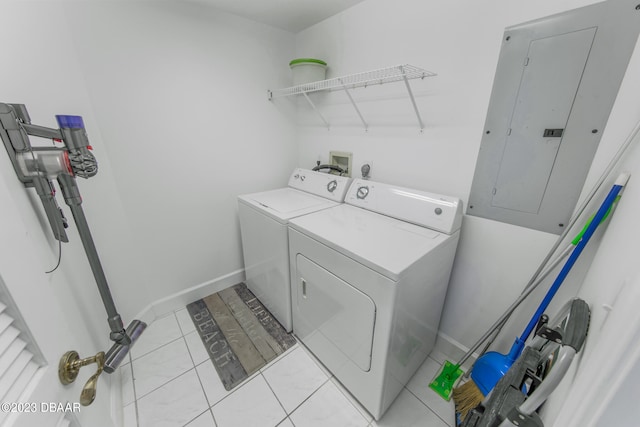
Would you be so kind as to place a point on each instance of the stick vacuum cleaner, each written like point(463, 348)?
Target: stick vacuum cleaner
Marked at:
point(37, 167)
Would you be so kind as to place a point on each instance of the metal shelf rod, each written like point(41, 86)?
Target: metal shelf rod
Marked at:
point(316, 109)
point(366, 126)
point(413, 100)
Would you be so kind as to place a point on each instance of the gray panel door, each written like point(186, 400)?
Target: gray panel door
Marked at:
point(555, 84)
point(550, 80)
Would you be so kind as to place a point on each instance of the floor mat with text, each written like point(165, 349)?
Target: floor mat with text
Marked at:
point(239, 333)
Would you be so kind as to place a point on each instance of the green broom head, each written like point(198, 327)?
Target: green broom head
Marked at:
point(443, 383)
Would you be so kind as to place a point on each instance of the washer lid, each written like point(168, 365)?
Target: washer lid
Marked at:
point(384, 244)
point(285, 203)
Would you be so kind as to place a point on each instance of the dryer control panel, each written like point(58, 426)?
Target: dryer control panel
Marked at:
point(434, 211)
point(332, 187)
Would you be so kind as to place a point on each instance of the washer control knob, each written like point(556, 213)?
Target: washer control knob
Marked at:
point(438, 211)
point(332, 185)
point(362, 192)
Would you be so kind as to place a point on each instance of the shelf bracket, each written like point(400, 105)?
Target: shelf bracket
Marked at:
point(413, 100)
point(355, 106)
point(315, 109)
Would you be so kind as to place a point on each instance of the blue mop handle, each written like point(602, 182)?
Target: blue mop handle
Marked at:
point(608, 202)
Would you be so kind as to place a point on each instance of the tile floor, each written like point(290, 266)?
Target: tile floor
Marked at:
point(169, 381)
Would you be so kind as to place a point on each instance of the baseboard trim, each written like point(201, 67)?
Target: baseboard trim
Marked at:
point(181, 299)
point(115, 387)
point(447, 348)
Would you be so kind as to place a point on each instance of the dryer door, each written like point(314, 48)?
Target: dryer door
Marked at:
point(332, 313)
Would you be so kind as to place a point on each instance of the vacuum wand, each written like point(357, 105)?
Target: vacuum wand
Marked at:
point(73, 199)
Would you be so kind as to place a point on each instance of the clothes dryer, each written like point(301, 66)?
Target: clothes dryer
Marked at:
point(369, 279)
point(263, 224)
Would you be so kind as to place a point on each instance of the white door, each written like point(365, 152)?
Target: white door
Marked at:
point(54, 323)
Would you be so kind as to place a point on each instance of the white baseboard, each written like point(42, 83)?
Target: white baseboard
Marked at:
point(180, 299)
point(447, 348)
point(146, 315)
point(115, 387)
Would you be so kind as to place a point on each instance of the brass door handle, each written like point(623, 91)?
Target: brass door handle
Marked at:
point(68, 370)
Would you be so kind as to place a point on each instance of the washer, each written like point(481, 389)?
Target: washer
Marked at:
point(369, 279)
point(263, 224)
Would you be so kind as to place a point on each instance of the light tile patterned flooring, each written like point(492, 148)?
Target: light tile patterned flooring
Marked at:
point(169, 381)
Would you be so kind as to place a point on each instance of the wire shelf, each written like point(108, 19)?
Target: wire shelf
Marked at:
point(376, 77)
point(396, 73)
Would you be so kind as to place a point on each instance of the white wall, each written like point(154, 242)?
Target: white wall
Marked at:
point(461, 41)
point(174, 98)
point(181, 95)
